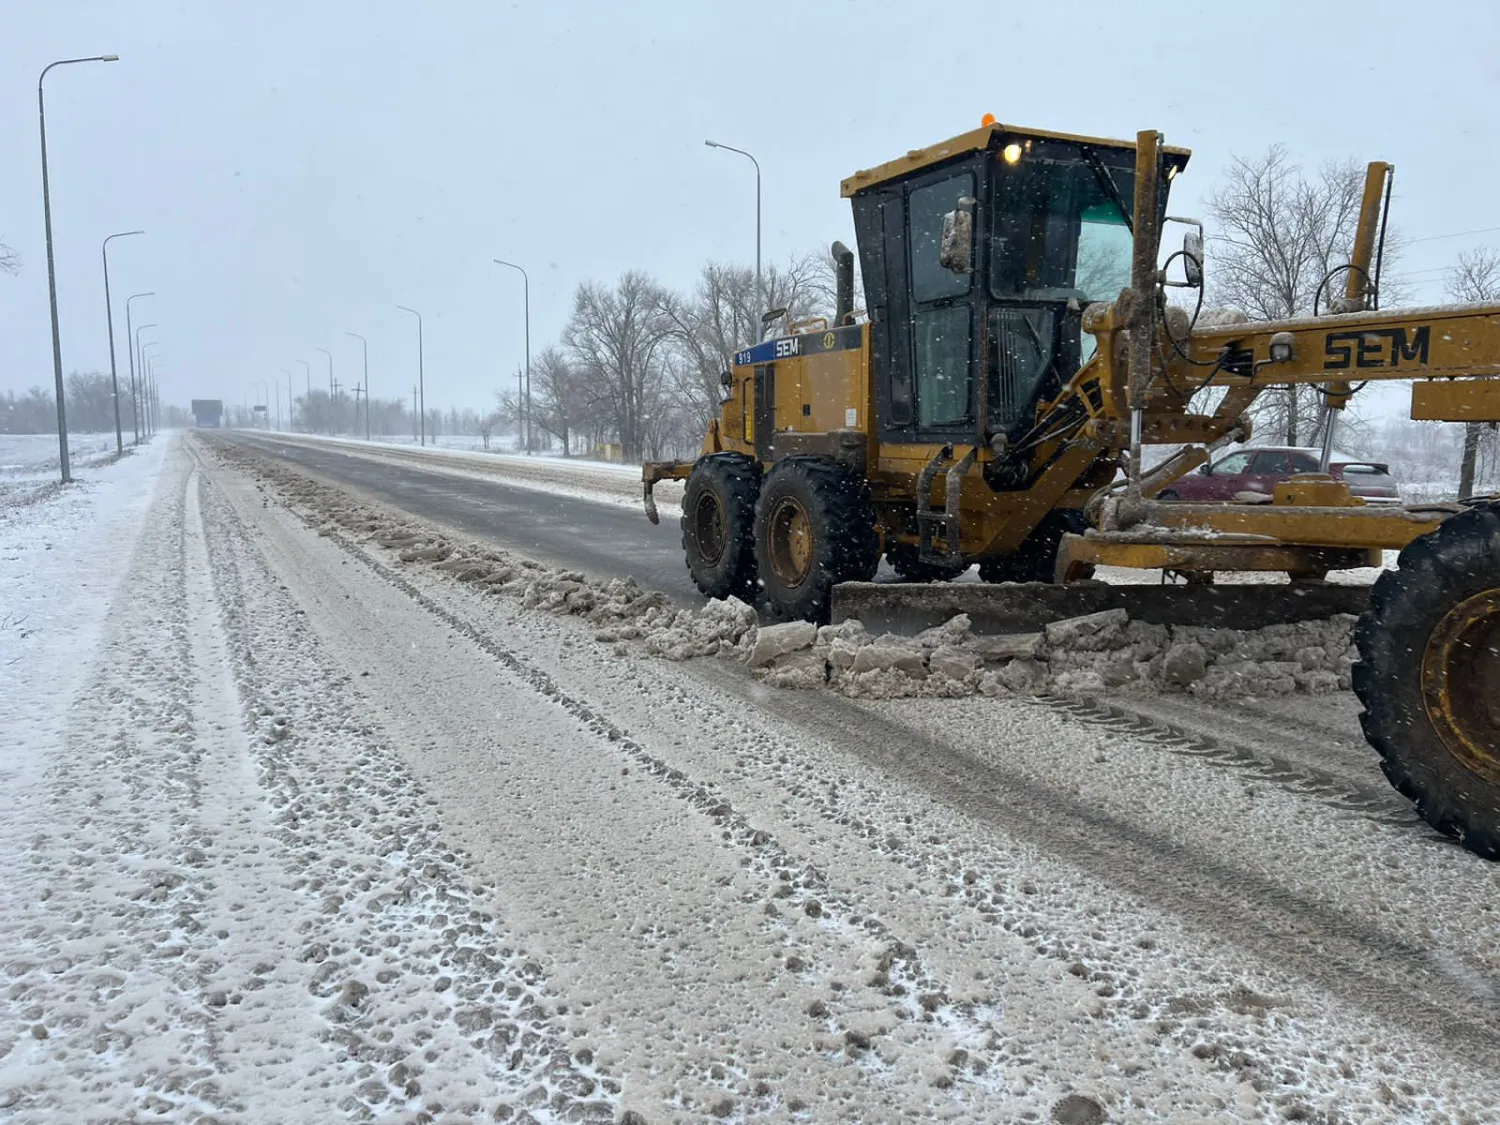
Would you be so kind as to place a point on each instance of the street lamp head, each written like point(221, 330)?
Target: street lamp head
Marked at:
point(109, 58)
point(712, 144)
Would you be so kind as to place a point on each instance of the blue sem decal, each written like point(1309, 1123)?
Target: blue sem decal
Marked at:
point(768, 350)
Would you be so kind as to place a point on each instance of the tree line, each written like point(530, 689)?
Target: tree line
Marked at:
point(639, 364)
point(89, 400)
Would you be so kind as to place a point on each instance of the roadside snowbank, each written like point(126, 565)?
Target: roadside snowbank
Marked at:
point(62, 558)
point(1082, 656)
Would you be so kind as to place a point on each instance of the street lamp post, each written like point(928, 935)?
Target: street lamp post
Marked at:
point(155, 396)
point(307, 414)
point(135, 403)
point(365, 346)
point(109, 322)
point(291, 409)
point(759, 291)
point(421, 378)
point(62, 409)
point(148, 388)
point(526, 291)
point(140, 358)
point(332, 406)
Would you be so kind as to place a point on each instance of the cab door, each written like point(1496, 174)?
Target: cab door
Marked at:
point(925, 318)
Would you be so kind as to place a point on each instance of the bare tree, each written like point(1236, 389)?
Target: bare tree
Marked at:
point(722, 315)
point(617, 339)
point(1475, 278)
point(1283, 238)
point(10, 261)
point(561, 402)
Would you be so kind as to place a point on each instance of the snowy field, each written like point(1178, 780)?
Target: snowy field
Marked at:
point(28, 462)
point(303, 832)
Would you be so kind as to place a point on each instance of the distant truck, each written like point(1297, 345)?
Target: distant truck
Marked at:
point(208, 412)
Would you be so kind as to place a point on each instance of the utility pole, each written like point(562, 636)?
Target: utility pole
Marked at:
point(358, 393)
point(332, 409)
point(307, 410)
point(421, 378)
point(365, 348)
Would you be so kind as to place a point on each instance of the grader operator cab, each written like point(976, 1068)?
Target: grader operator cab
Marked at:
point(1015, 354)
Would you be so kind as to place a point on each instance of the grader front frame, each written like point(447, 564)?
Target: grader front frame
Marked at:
point(993, 405)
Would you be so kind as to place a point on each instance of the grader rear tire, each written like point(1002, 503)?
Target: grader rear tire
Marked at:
point(1429, 677)
point(718, 525)
point(814, 528)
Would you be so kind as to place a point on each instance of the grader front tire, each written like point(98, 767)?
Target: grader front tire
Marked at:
point(1429, 676)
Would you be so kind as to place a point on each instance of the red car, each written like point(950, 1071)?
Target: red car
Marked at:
point(1259, 470)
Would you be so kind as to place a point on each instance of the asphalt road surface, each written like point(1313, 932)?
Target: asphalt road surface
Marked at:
point(602, 540)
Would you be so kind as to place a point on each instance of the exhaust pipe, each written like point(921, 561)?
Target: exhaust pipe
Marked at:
point(843, 270)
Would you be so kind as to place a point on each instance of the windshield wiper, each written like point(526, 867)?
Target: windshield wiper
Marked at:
point(1107, 182)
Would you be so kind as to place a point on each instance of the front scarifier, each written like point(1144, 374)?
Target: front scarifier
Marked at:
point(1429, 676)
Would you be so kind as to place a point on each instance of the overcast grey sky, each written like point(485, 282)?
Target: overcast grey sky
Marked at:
point(302, 167)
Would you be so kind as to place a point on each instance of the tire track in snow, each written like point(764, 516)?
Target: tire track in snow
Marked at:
point(422, 1004)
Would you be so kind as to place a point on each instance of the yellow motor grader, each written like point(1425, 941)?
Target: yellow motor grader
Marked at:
point(1015, 353)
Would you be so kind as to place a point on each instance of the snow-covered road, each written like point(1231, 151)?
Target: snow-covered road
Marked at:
point(298, 833)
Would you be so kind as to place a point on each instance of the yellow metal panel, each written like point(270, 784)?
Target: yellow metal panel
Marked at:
point(973, 141)
point(1314, 491)
point(1363, 526)
point(830, 388)
point(1401, 344)
point(1208, 556)
point(790, 376)
point(1456, 400)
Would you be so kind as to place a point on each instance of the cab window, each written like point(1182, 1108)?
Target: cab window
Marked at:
point(930, 281)
point(942, 321)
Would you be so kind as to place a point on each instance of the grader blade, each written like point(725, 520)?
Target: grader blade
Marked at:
point(907, 608)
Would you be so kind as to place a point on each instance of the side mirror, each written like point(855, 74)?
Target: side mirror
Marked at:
point(1191, 255)
point(956, 250)
point(1192, 258)
point(1206, 469)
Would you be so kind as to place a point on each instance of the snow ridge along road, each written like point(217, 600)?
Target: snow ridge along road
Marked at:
point(1039, 829)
